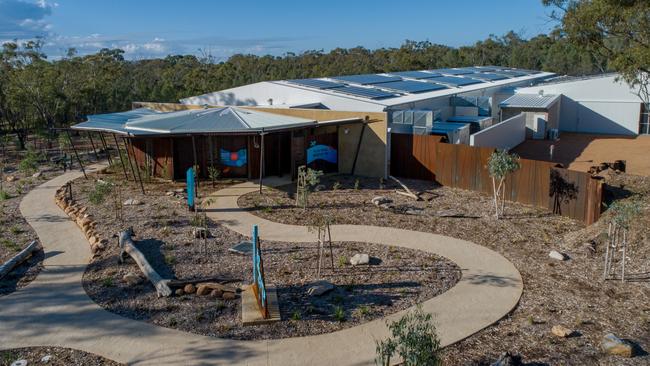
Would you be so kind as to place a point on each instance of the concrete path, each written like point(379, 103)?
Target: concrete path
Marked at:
point(55, 310)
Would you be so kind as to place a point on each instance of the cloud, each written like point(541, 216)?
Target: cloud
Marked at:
point(24, 19)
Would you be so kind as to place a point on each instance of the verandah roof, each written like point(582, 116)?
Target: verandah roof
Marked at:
point(226, 120)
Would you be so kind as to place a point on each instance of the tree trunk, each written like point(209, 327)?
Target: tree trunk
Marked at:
point(127, 246)
point(18, 259)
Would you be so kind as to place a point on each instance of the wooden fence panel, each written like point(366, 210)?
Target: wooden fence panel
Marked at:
point(465, 167)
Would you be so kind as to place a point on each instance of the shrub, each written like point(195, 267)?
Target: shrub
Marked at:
point(296, 315)
point(170, 259)
point(220, 305)
point(29, 164)
point(10, 245)
point(214, 174)
point(343, 260)
point(339, 314)
point(500, 165)
point(107, 282)
point(336, 186)
point(413, 338)
point(99, 192)
point(4, 195)
point(15, 230)
point(364, 310)
point(357, 184)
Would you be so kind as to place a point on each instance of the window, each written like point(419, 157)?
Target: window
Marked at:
point(644, 121)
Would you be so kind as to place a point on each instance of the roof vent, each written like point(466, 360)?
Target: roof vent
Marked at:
point(540, 93)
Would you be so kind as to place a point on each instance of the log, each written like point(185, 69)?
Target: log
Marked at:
point(220, 280)
point(127, 246)
point(406, 189)
point(17, 259)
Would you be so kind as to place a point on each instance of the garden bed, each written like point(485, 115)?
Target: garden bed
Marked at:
point(395, 279)
point(55, 356)
point(569, 293)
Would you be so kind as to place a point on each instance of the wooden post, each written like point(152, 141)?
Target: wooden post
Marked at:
point(119, 153)
point(329, 237)
point(128, 157)
point(261, 159)
point(137, 170)
point(92, 143)
point(75, 153)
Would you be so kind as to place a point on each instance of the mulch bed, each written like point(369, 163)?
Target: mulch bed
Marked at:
point(570, 293)
point(396, 279)
point(15, 232)
point(55, 356)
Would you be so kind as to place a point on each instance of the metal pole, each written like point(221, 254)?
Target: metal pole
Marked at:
point(92, 143)
point(137, 170)
point(105, 145)
point(261, 159)
point(119, 153)
point(75, 153)
point(128, 157)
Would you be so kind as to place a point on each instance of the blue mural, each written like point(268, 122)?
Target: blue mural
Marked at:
point(321, 152)
point(233, 158)
point(259, 285)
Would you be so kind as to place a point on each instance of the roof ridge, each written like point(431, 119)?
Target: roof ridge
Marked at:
point(240, 118)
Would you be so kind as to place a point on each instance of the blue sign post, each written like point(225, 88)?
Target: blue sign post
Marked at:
point(190, 188)
point(259, 287)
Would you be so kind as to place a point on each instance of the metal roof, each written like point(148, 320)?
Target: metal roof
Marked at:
point(529, 101)
point(146, 121)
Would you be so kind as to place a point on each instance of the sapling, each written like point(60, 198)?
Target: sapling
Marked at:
point(500, 165)
point(623, 214)
point(413, 338)
point(307, 179)
point(214, 174)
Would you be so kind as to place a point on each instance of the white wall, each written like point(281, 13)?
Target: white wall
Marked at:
point(505, 135)
point(595, 105)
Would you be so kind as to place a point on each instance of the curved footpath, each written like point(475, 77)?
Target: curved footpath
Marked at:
point(55, 310)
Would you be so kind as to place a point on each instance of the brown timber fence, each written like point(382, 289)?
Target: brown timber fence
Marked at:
point(566, 192)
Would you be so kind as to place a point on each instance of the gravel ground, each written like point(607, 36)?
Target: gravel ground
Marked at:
point(55, 356)
point(396, 279)
point(15, 233)
point(569, 293)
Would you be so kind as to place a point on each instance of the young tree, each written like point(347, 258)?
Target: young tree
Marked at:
point(500, 165)
point(413, 338)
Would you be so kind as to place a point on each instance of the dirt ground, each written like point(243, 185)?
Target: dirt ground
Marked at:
point(582, 151)
point(55, 356)
point(569, 293)
point(396, 278)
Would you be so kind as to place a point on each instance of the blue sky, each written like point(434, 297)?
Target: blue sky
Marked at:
point(147, 28)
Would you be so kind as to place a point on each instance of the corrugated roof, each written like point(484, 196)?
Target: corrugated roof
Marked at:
point(146, 121)
point(529, 101)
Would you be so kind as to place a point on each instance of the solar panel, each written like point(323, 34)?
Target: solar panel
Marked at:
point(454, 81)
point(371, 93)
point(367, 79)
point(452, 71)
point(512, 73)
point(416, 74)
point(316, 83)
point(487, 76)
point(410, 86)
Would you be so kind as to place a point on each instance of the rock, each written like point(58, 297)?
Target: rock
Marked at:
point(557, 255)
point(11, 178)
point(169, 193)
point(37, 174)
point(615, 346)
point(319, 188)
point(46, 358)
point(132, 202)
point(229, 296)
point(216, 293)
point(189, 288)
point(19, 363)
point(359, 259)
point(179, 292)
point(319, 288)
point(93, 240)
point(203, 290)
point(200, 233)
point(380, 200)
point(386, 206)
point(179, 190)
point(561, 331)
point(131, 279)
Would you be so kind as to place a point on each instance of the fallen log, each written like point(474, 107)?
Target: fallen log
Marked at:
point(407, 191)
point(17, 259)
point(220, 280)
point(127, 246)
